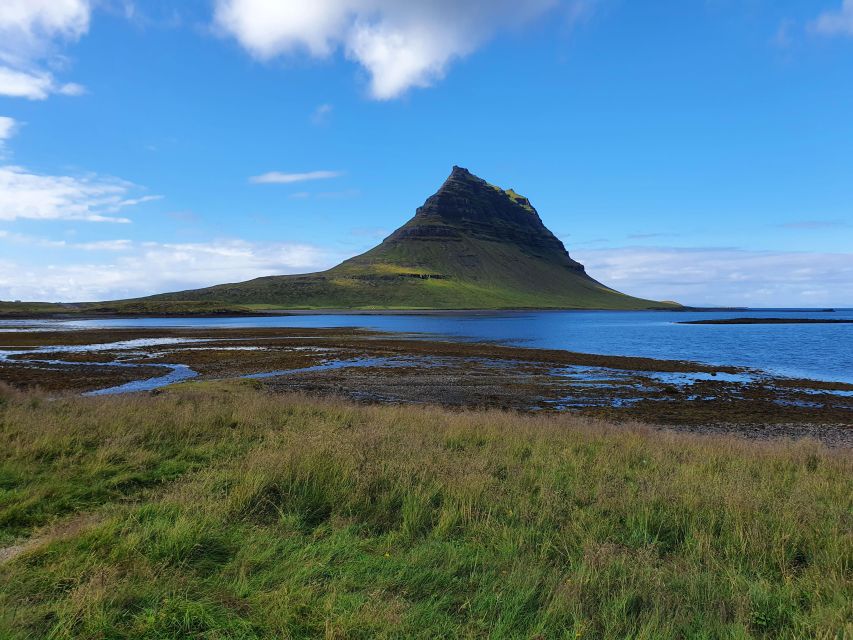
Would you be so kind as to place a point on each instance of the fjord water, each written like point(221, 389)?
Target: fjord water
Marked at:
point(815, 351)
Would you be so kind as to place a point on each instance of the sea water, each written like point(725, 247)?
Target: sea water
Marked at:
point(815, 351)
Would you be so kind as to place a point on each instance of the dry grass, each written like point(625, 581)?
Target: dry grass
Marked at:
point(219, 511)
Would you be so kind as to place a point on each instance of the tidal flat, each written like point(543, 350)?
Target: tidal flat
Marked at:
point(374, 367)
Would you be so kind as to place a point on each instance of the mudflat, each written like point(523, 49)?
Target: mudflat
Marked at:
point(386, 368)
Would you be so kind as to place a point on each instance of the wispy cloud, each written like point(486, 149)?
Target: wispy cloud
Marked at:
point(578, 11)
point(104, 245)
point(322, 114)
point(650, 236)
point(835, 23)
point(8, 128)
point(29, 33)
point(132, 202)
point(33, 196)
point(147, 14)
point(37, 241)
point(783, 37)
point(276, 177)
point(401, 44)
point(725, 276)
point(805, 225)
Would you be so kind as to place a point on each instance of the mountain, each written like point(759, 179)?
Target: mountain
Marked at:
point(471, 245)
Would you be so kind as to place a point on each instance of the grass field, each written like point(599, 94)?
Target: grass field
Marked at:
point(219, 511)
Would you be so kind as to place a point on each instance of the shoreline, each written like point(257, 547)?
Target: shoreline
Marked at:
point(249, 313)
point(383, 368)
point(318, 312)
point(743, 321)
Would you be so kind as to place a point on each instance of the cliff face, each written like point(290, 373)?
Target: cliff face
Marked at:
point(467, 208)
point(471, 245)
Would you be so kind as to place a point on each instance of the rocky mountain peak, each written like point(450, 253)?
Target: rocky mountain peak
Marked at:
point(466, 206)
point(471, 245)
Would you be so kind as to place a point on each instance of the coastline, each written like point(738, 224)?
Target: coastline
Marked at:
point(254, 313)
point(383, 368)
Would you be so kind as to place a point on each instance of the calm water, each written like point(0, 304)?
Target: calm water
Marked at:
point(822, 352)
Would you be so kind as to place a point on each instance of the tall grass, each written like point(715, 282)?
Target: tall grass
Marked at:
point(218, 511)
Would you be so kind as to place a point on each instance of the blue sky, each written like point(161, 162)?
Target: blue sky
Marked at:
point(696, 150)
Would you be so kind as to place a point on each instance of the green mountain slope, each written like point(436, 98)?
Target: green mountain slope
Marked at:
point(472, 245)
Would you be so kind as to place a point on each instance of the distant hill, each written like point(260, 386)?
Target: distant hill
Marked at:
point(472, 245)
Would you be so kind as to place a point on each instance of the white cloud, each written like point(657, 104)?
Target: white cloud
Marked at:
point(20, 238)
point(729, 277)
point(8, 126)
point(29, 21)
point(146, 268)
point(71, 89)
point(836, 23)
point(22, 84)
point(27, 195)
point(275, 177)
point(321, 114)
point(98, 245)
point(103, 245)
point(401, 44)
point(34, 85)
point(132, 202)
point(29, 33)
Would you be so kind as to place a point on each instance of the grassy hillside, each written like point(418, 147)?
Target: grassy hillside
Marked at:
point(36, 308)
point(129, 307)
point(216, 511)
point(425, 277)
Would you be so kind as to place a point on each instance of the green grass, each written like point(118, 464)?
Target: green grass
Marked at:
point(126, 307)
point(35, 308)
point(219, 511)
point(501, 277)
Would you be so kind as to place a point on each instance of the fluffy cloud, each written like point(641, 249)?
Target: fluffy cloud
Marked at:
point(137, 269)
point(275, 177)
point(29, 32)
point(401, 44)
point(35, 85)
point(835, 23)
point(27, 195)
point(725, 276)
